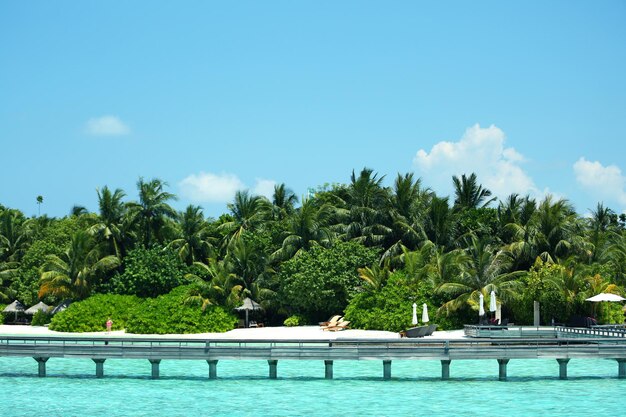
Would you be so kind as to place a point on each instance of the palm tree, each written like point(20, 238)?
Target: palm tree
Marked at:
point(73, 274)
point(248, 212)
point(439, 222)
point(482, 272)
point(283, 202)
point(406, 208)
point(556, 225)
point(110, 226)
point(469, 194)
point(39, 203)
point(517, 216)
point(375, 276)
point(14, 235)
point(306, 227)
point(363, 212)
point(217, 287)
point(602, 221)
point(194, 242)
point(152, 210)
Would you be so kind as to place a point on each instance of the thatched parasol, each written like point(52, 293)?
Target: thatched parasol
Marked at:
point(247, 306)
point(40, 306)
point(14, 307)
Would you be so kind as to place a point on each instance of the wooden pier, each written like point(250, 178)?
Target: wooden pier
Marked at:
point(156, 349)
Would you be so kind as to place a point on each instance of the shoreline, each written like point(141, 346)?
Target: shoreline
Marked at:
point(265, 333)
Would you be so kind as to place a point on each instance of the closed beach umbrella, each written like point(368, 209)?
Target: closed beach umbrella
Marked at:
point(492, 302)
point(40, 306)
point(425, 318)
point(14, 307)
point(481, 307)
point(247, 306)
point(414, 321)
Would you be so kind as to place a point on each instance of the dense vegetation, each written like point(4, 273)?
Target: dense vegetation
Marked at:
point(360, 248)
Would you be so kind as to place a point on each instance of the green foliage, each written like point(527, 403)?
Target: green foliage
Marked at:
point(391, 307)
point(294, 320)
point(169, 314)
point(149, 273)
point(318, 283)
point(41, 318)
point(541, 284)
point(91, 314)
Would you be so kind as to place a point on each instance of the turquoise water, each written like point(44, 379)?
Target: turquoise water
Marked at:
point(242, 388)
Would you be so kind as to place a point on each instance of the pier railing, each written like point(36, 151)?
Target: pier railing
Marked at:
point(495, 331)
point(155, 349)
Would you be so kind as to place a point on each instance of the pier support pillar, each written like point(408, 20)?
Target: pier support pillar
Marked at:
point(502, 369)
point(99, 367)
point(445, 368)
point(328, 369)
point(155, 367)
point(212, 369)
point(563, 367)
point(41, 365)
point(273, 365)
point(386, 369)
point(621, 368)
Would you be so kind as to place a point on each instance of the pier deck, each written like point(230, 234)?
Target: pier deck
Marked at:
point(155, 349)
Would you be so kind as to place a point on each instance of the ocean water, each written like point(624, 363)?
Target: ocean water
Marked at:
point(244, 389)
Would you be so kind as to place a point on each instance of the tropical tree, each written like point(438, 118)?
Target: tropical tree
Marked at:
point(14, 235)
point(306, 227)
point(361, 213)
point(248, 213)
point(76, 271)
point(483, 271)
point(407, 206)
point(194, 241)
point(283, 202)
point(152, 210)
point(469, 194)
point(110, 227)
point(556, 229)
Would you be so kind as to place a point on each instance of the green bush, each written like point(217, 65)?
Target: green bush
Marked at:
point(149, 273)
point(391, 307)
point(91, 314)
point(319, 282)
point(41, 318)
point(169, 314)
point(294, 320)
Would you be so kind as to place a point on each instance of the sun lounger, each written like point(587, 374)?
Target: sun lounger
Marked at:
point(341, 325)
point(431, 329)
point(332, 322)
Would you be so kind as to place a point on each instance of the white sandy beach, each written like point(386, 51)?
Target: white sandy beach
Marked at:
point(266, 333)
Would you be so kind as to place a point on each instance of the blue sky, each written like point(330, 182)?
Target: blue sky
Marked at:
point(218, 96)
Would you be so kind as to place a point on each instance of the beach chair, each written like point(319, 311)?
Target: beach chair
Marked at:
point(331, 323)
point(341, 325)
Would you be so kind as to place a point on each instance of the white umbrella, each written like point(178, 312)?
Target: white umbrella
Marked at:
point(414, 321)
point(481, 307)
point(605, 297)
point(492, 302)
point(425, 318)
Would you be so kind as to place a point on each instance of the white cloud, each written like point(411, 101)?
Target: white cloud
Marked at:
point(106, 126)
point(210, 188)
point(604, 182)
point(264, 188)
point(207, 187)
point(482, 151)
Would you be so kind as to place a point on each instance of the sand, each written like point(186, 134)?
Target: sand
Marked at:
point(266, 333)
